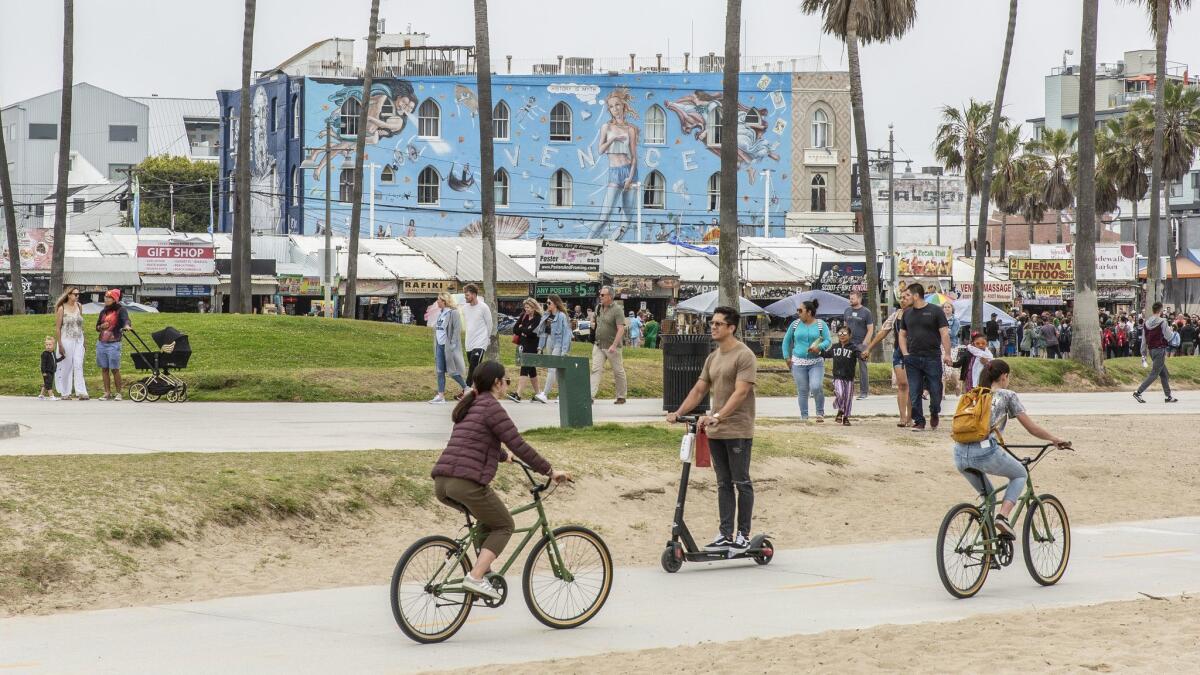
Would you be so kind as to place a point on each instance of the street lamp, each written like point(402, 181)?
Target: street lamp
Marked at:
point(457, 253)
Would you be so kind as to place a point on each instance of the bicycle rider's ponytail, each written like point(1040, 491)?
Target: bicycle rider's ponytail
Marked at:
point(992, 372)
point(486, 375)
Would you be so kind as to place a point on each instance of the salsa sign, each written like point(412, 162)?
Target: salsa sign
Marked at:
point(180, 259)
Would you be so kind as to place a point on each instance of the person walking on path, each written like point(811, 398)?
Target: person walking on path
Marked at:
point(803, 345)
point(447, 346)
point(525, 334)
point(846, 356)
point(1156, 340)
point(111, 324)
point(610, 331)
point(861, 323)
point(479, 328)
point(554, 338)
point(729, 373)
point(991, 330)
point(68, 334)
point(924, 337)
point(892, 326)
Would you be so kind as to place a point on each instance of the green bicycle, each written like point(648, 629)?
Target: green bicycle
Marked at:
point(566, 580)
point(969, 546)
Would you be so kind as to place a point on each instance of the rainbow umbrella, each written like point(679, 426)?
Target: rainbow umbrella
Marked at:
point(938, 299)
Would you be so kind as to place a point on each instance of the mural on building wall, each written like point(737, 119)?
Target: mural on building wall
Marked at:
point(573, 156)
point(265, 187)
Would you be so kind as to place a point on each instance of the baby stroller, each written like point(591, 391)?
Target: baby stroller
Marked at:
point(173, 353)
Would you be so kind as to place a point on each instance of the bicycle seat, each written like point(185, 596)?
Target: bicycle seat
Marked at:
point(983, 492)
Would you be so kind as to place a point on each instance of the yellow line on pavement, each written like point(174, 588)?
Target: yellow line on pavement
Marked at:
point(10, 666)
point(821, 584)
point(1145, 554)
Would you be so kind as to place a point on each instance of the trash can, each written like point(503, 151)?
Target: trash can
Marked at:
point(574, 386)
point(683, 359)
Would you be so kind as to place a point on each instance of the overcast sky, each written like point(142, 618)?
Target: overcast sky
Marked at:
point(192, 48)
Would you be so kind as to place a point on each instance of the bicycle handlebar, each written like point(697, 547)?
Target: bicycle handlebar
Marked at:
point(529, 471)
point(1042, 451)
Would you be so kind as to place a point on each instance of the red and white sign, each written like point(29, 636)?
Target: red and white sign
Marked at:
point(178, 259)
point(993, 291)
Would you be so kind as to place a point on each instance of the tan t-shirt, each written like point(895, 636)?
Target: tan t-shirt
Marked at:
point(607, 321)
point(722, 371)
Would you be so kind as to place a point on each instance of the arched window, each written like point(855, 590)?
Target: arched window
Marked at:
point(348, 124)
point(295, 186)
point(820, 129)
point(560, 122)
point(346, 185)
point(387, 108)
point(429, 119)
point(274, 111)
point(656, 125)
point(560, 188)
point(429, 186)
point(500, 121)
point(295, 116)
point(753, 118)
point(388, 175)
point(713, 122)
point(501, 188)
point(714, 192)
point(654, 192)
point(818, 194)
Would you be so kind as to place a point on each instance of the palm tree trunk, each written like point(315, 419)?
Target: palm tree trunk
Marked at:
point(1154, 264)
point(864, 170)
point(1003, 237)
point(730, 284)
point(240, 285)
point(58, 260)
point(988, 158)
point(350, 301)
point(1137, 293)
point(1085, 338)
point(1058, 224)
point(1173, 257)
point(10, 228)
point(487, 166)
point(967, 226)
point(1031, 224)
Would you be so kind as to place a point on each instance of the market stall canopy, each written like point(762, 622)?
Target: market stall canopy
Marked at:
point(828, 304)
point(705, 303)
point(962, 309)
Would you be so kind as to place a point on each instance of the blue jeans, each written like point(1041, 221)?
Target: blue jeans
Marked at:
point(989, 457)
point(108, 355)
point(924, 374)
point(439, 359)
point(808, 379)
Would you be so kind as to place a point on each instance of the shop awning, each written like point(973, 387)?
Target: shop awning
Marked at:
point(101, 271)
point(180, 280)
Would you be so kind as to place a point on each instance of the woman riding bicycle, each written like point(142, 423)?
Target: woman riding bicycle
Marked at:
point(468, 464)
point(987, 457)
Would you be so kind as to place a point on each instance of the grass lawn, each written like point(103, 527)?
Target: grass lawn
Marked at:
point(281, 358)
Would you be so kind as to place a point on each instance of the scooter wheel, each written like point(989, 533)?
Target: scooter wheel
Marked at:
point(766, 552)
point(671, 561)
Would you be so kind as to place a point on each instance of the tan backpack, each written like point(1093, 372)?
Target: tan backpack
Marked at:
point(973, 417)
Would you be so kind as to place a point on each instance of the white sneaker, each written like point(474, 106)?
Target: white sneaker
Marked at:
point(480, 587)
point(740, 542)
point(438, 399)
point(115, 397)
point(41, 397)
point(51, 397)
point(540, 398)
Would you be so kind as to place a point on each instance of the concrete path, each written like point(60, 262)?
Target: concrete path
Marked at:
point(801, 591)
point(69, 427)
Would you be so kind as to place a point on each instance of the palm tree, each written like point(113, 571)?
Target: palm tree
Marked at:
point(1057, 145)
point(487, 165)
point(10, 227)
point(350, 299)
point(985, 185)
point(1085, 342)
point(728, 281)
point(960, 144)
point(240, 287)
point(1029, 189)
point(1004, 183)
point(865, 21)
point(58, 259)
point(1122, 158)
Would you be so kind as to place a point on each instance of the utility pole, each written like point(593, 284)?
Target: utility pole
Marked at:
point(891, 210)
point(371, 209)
point(639, 210)
point(939, 210)
point(766, 203)
point(328, 223)
point(171, 192)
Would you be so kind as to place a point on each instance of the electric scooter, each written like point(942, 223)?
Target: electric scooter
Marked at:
point(682, 546)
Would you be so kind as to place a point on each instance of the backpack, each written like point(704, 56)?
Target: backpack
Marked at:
point(1174, 342)
point(973, 417)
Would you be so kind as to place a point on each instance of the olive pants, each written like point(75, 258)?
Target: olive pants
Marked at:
point(482, 502)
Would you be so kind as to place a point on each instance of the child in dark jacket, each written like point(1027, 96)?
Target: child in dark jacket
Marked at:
point(50, 361)
point(845, 369)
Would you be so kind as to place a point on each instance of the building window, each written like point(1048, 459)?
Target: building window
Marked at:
point(501, 187)
point(295, 117)
point(654, 193)
point(1176, 188)
point(1195, 180)
point(560, 188)
point(77, 205)
point(295, 187)
point(429, 186)
point(500, 121)
point(429, 121)
point(43, 132)
point(388, 175)
point(39, 211)
point(229, 191)
point(122, 133)
point(348, 124)
point(817, 203)
point(119, 172)
point(713, 121)
point(656, 125)
point(820, 129)
point(346, 185)
point(714, 192)
point(753, 118)
point(560, 122)
point(271, 124)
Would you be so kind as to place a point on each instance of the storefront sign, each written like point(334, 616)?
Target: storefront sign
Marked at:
point(1042, 294)
point(368, 287)
point(924, 261)
point(840, 278)
point(568, 256)
point(993, 291)
point(566, 290)
point(180, 259)
point(298, 285)
point(157, 290)
point(1115, 293)
point(35, 286)
point(1114, 262)
point(36, 246)
point(512, 290)
point(1039, 270)
point(429, 287)
point(192, 291)
point(690, 290)
point(774, 291)
point(930, 284)
point(643, 287)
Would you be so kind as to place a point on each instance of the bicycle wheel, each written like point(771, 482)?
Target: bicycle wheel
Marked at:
point(963, 559)
point(423, 614)
point(1046, 540)
point(560, 603)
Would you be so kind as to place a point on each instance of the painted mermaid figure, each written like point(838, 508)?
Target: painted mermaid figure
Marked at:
point(619, 140)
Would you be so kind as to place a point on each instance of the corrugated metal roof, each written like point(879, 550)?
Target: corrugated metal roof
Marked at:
point(167, 134)
point(462, 258)
point(621, 260)
point(842, 243)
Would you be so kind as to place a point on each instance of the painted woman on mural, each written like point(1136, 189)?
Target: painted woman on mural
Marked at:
point(696, 109)
point(619, 140)
point(392, 102)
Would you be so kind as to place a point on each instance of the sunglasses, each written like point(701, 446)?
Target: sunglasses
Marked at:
point(507, 381)
point(714, 324)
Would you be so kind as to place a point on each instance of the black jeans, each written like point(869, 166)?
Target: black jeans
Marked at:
point(731, 462)
point(474, 356)
point(924, 374)
point(1052, 351)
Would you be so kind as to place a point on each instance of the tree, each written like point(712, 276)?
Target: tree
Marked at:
point(960, 144)
point(350, 299)
point(728, 278)
point(1029, 189)
point(1007, 167)
point(487, 167)
point(1085, 336)
point(866, 22)
point(10, 228)
point(240, 286)
point(59, 257)
point(192, 181)
point(1057, 146)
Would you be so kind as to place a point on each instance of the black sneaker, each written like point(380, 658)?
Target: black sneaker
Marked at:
point(1138, 397)
point(514, 398)
point(720, 543)
point(1004, 529)
point(740, 542)
point(1171, 399)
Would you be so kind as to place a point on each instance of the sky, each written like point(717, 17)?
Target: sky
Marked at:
point(191, 49)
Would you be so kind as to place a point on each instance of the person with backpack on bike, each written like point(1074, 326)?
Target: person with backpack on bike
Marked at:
point(468, 464)
point(1157, 340)
point(985, 411)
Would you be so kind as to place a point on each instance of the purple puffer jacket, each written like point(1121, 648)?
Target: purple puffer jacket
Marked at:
point(474, 448)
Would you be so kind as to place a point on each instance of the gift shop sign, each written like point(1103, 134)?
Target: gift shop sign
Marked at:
point(189, 259)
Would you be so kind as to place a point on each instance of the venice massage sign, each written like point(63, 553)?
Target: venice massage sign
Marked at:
point(1041, 271)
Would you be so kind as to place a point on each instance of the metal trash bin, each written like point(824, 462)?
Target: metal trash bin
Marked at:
point(683, 359)
point(574, 386)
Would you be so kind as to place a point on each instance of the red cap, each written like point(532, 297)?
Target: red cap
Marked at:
point(114, 293)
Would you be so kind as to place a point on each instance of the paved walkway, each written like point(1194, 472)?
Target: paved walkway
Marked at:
point(69, 427)
point(801, 591)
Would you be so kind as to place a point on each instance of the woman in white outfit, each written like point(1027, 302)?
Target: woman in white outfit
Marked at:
point(68, 332)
